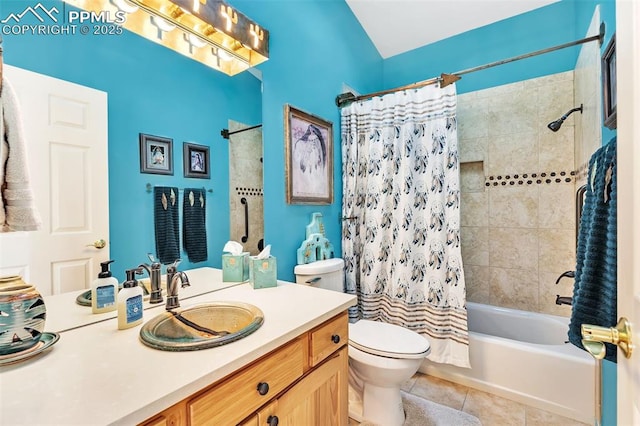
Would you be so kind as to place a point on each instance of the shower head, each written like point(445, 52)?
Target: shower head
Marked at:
point(555, 125)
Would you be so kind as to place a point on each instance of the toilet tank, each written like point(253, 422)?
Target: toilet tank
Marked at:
point(327, 274)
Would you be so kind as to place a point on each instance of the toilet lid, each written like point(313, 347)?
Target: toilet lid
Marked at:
point(387, 340)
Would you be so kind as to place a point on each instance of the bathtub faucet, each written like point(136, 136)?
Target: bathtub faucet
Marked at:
point(568, 274)
point(565, 300)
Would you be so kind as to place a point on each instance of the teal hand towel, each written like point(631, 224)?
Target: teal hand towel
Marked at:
point(194, 230)
point(167, 231)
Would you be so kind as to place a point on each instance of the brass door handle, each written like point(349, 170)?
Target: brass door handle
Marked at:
point(99, 244)
point(594, 337)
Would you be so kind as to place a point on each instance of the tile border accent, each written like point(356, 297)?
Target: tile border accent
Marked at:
point(241, 190)
point(535, 178)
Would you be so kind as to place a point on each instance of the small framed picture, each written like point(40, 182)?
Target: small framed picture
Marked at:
point(196, 161)
point(156, 155)
point(309, 158)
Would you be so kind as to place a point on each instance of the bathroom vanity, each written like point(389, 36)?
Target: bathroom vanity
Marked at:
point(304, 382)
point(293, 367)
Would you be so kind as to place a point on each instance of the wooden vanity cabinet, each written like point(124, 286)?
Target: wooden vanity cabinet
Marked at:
point(303, 382)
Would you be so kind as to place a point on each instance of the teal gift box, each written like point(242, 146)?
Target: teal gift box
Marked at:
point(263, 272)
point(235, 268)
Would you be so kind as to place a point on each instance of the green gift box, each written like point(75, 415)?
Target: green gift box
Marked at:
point(235, 268)
point(263, 272)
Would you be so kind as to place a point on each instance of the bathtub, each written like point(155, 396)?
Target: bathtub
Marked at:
point(523, 356)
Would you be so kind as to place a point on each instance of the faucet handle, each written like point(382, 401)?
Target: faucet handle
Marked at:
point(154, 262)
point(173, 268)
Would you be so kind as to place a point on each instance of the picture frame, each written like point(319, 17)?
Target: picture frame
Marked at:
point(156, 154)
point(308, 157)
point(196, 161)
point(609, 85)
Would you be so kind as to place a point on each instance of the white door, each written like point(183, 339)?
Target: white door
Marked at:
point(628, 81)
point(65, 128)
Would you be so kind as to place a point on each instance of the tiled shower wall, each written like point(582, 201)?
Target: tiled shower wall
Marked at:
point(518, 186)
point(246, 182)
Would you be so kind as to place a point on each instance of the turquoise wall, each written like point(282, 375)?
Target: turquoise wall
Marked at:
point(316, 46)
point(528, 32)
point(150, 90)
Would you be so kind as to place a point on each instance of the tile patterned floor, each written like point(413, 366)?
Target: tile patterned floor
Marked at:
point(492, 410)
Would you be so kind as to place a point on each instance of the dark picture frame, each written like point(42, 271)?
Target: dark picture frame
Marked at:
point(609, 85)
point(308, 157)
point(196, 161)
point(156, 154)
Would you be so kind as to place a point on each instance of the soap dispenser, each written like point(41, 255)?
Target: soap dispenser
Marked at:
point(104, 290)
point(130, 301)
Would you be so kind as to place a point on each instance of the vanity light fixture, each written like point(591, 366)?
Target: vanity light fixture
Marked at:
point(210, 31)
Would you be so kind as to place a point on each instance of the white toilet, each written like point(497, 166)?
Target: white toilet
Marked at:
point(381, 356)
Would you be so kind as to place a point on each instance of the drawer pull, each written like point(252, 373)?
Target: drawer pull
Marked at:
point(335, 339)
point(263, 388)
point(272, 420)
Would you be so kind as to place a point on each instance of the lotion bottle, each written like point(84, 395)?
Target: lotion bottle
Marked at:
point(130, 302)
point(104, 290)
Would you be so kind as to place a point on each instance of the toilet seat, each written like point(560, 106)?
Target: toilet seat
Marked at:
point(387, 340)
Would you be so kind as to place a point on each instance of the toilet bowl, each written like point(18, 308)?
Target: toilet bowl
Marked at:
point(381, 356)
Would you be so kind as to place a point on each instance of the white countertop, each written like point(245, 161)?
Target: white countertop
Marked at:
point(97, 374)
point(63, 313)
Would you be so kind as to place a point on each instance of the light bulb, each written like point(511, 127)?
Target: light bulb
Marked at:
point(195, 41)
point(162, 24)
point(125, 6)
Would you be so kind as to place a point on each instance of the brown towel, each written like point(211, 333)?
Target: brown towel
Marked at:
point(17, 212)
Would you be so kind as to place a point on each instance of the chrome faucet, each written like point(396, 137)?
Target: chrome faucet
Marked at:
point(154, 276)
point(173, 275)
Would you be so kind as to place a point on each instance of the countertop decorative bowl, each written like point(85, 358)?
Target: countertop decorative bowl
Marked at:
point(22, 315)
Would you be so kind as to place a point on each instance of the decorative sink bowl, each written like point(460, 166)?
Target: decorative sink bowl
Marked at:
point(202, 326)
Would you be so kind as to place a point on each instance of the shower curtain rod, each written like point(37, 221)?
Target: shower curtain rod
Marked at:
point(446, 79)
point(226, 133)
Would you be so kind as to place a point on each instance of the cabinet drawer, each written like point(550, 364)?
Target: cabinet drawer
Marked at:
point(328, 338)
point(235, 398)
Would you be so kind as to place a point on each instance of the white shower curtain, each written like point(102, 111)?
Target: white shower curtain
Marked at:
point(401, 210)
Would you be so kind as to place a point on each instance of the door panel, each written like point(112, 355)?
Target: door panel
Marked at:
point(628, 109)
point(65, 128)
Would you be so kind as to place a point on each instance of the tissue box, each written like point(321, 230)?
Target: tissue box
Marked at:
point(235, 268)
point(263, 272)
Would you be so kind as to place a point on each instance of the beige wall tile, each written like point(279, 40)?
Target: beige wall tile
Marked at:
point(473, 118)
point(557, 206)
point(513, 153)
point(472, 177)
point(477, 283)
point(514, 288)
point(557, 249)
point(474, 208)
point(556, 150)
point(475, 245)
point(472, 149)
point(513, 206)
point(513, 248)
point(513, 112)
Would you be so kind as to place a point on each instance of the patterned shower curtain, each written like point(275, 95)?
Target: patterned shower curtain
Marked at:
point(401, 210)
